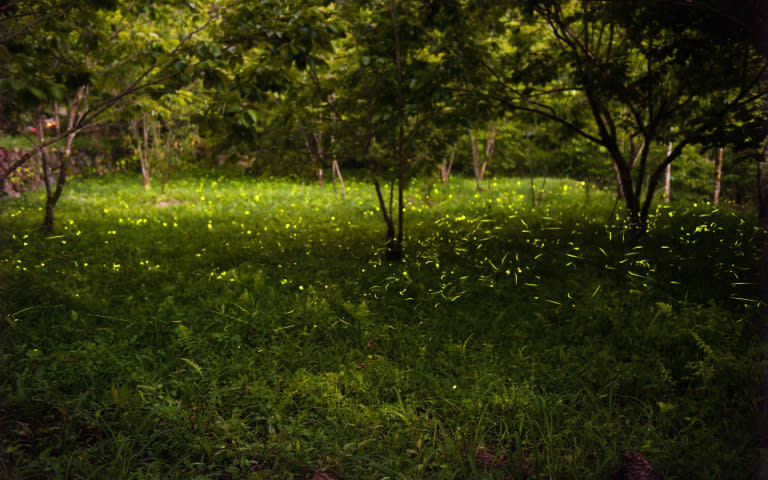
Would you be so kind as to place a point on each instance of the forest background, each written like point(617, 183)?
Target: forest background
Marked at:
point(613, 109)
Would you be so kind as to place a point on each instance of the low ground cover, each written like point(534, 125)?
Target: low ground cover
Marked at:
point(243, 328)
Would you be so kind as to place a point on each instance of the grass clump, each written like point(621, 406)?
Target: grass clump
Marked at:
point(241, 328)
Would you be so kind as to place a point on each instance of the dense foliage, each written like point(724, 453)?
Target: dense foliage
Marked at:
point(624, 89)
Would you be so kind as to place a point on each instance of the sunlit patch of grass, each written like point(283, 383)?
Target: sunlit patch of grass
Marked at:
point(250, 329)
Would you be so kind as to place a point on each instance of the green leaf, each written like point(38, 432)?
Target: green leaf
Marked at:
point(56, 92)
point(17, 83)
point(39, 94)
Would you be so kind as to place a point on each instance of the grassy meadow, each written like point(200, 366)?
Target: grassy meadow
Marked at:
point(238, 328)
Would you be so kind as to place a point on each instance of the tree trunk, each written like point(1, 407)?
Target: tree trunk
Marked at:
point(762, 193)
point(336, 173)
point(168, 146)
point(653, 182)
point(490, 147)
point(533, 184)
point(392, 252)
point(530, 136)
point(320, 157)
point(51, 200)
point(668, 177)
point(395, 250)
point(395, 244)
point(476, 160)
point(52, 190)
point(144, 159)
point(718, 176)
point(445, 167)
point(636, 222)
point(52, 195)
point(619, 185)
point(48, 217)
point(140, 129)
point(314, 154)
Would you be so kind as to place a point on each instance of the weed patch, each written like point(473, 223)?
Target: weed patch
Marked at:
point(243, 328)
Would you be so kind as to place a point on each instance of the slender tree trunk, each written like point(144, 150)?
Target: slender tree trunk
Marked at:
point(52, 199)
point(313, 147)
point(668, 177)
point(395, 252)
point(533, 184)
point(476, 168)
point(490, 147)
point(336, 173)
point(762, 192)
point(56, 117)
point(718, 176)
point(53, 191)
point(320, 157)
point(170, 147)
point(43, 152)
point(50, 207)
point(530, 167)
point(144, 159)
point(140, 127)
point(335, 168)
point(446, 166)
point(619, 185)
point(386, 213)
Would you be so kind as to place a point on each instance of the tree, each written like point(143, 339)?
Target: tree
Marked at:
point(368, 65)
point(85, 55)
point(648, 73)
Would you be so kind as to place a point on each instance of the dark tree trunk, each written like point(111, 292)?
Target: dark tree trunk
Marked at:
point(53, 193)
point(52, 196)
point(48, 217)
point(637, 224)
point(393, 249)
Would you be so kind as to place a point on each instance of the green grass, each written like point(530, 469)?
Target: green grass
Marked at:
point(17, 141)
point(246, 329)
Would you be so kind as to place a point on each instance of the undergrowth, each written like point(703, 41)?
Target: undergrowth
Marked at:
point(241, 328)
